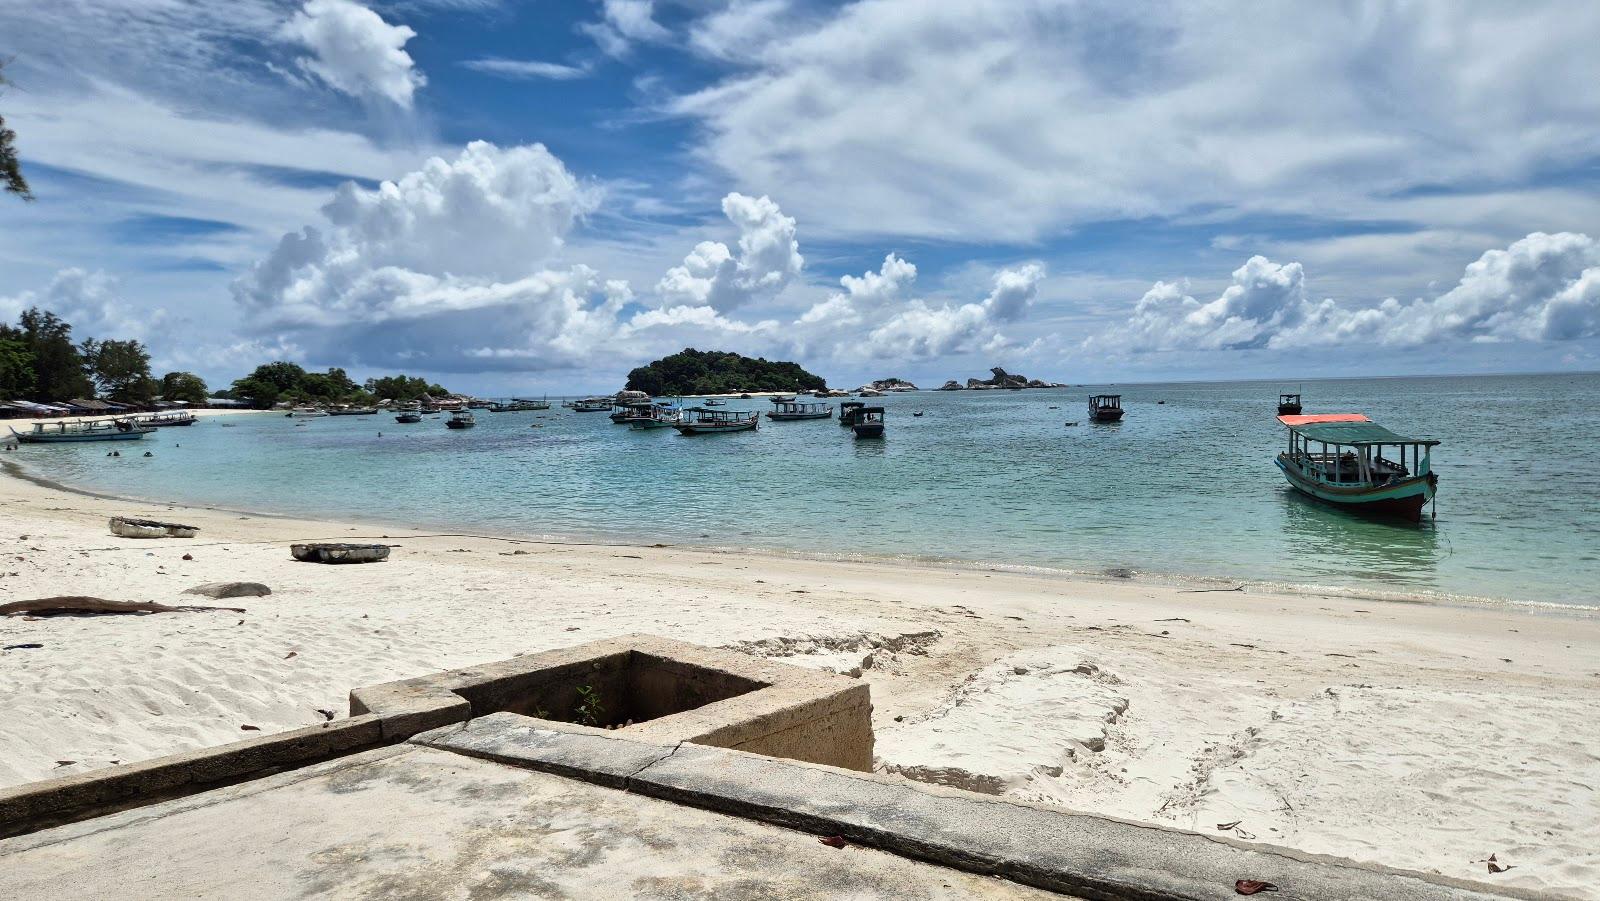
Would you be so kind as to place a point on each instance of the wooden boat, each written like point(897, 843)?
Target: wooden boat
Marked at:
point(460, 419)
point(126, 527)
point(306, 413)
point(868, 422)
point(523, 403)
point(319, 552)
point(654, 416)
point(700, 421)
point(74, 432)
point(409, 416)
point(716, 403)
point(167, 420)
point(780, 399)
point(354, 411)
point(592, 405)
point(786, 411)
point(1105, 408)
point(1338, 458)
point(848, 412)
point(1288, 405)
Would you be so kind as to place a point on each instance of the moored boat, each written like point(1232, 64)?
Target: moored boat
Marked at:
point(353, 411)
point(409, 416)
point(786, 411)
point(460, 419)
point(74, 432)
point(592, 405)
point(306, 413)
point(1348, 468)
point(1105, 408)
point(848, 412)
point(868, 422)
point(700, 421)
point(168, 419)
point(654, 416)
point(1289, 405)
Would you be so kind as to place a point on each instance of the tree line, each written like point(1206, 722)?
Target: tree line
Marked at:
point(40, 361)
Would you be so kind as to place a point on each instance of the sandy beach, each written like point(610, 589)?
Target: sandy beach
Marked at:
point(1414, 735)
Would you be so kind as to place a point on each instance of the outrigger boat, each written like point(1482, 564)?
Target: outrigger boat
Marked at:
point(73, 432)
point(653, 416)
point(848, 412)
point(1288, 405)
point(868, 422)
point(1105, 408)
point(168, 419)
point(700, 421)
point(1348, 468)
point(785, 411)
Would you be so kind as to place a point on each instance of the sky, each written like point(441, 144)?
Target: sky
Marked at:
point(515, 197)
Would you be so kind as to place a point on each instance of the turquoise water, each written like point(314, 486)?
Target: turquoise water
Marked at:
point(1184, 488)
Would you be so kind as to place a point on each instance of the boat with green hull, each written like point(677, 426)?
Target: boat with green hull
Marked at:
point(1340, 459)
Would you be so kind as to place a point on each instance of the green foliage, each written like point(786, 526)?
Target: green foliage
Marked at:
point(184, 386)
point(402, 387)
point(120, 369)
point(10, 167)
point(16, 364)
point(718, 372)
point(590, 711)
point(271, 383)
point(58, 372)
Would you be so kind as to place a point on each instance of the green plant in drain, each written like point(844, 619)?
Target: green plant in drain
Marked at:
point(590, 711)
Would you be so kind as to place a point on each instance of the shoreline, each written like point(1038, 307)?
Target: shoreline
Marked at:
point(1184, 582)
point(1395, 733)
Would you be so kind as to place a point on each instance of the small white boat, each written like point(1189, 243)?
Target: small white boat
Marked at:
point(307, 413)
point(73, 432)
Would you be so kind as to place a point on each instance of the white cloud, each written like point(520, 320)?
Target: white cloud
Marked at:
point(870, 292)
point(740, 31)
point(712, 275)
point(993, 120)
point(90, 302)
point(526, 68)
point(354, 51)
point(922, 331)
point(445, 268)
point(1545, 287)
point(624, 22)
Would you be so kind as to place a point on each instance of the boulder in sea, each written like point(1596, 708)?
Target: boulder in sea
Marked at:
point(220, 590)
point(951, 385)
point(339, 553)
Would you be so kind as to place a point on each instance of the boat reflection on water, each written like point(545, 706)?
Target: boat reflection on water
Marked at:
point(1325, 545)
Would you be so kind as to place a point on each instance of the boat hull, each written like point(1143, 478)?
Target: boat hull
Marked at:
point(1106, 416)
point(456, 424)
point(790, 417)
point(643, 424)
point(1288, 409)
point(1403, 500)
point(701, 429)
point(108, 435)
point(868, 429)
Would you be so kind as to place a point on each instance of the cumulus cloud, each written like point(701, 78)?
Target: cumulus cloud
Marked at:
point(713, 275)
point(354, 51)
point(624, 22)
point(90, 302)
point(874, 315)
point(1545, 287)
point(444, 268)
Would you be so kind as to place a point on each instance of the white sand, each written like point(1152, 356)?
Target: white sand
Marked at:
point(1413, 735)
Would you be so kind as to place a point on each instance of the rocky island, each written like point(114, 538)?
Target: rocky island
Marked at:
point(1001, 379)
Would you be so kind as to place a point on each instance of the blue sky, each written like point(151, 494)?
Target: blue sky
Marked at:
point(539, 196)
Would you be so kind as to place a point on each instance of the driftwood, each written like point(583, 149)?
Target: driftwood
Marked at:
point(78, 605)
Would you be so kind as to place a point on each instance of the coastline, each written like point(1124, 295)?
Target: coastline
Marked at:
point(1396, 733)
point(1110, 575)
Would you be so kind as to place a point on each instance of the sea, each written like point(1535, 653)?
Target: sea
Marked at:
point(1183, 489)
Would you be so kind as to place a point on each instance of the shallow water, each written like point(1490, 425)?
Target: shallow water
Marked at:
point(1184, 488)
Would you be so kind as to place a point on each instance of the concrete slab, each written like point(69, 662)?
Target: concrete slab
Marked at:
point(413, 822)
point(1075, 853)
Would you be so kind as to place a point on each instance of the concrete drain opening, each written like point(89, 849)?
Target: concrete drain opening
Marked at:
point(613, 691)
point(649, 688)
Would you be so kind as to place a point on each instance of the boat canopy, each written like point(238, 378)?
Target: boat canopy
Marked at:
point(1350, 429)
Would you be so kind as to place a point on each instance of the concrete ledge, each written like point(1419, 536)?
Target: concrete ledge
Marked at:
point(669, 690)
point(37, 805)
point(1079, 854)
